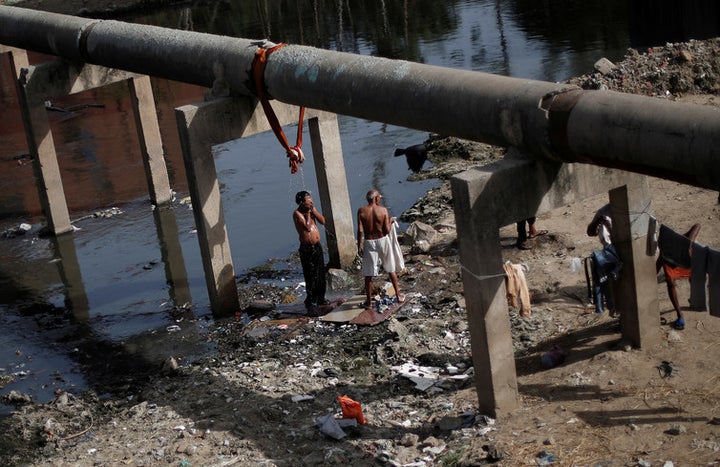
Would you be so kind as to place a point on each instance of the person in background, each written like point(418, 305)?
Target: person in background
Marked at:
point(523, 235)
point(306, 217)
point(673, 273)
point(606, 262)
point(374, 246)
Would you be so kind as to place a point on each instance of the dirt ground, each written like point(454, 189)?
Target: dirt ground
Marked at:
point(258, 398)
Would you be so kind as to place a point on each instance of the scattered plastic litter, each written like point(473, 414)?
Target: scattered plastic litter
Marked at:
point(351, 409)
point(545, 458)
point(302, 397)
point(575, 265)
point(424, 377)
point(329, 426)
point(553, 357)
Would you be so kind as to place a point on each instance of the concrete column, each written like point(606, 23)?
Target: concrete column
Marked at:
point(45, 164)
point(151, 147)
point(636, 288)
point(334, 194)
point(488, 315)
point(207, 209)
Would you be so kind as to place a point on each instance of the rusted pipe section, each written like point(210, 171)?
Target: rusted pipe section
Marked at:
point(548, 120)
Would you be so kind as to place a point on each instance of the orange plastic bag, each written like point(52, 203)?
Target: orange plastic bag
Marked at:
point(351, 409)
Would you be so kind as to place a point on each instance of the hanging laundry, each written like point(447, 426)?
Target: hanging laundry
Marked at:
point(698, 277)
point(518, 294)
point(713, 270)
point(397, 253)
point(674, 247)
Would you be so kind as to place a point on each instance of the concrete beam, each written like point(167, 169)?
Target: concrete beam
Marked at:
point(59, 78)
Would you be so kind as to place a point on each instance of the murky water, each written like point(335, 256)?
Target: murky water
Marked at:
point(119, 279)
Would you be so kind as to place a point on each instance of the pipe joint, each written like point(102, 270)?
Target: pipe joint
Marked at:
point(85, 31)
point(559, 105)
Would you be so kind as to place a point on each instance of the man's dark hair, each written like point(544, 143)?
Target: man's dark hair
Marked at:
point(300, 197)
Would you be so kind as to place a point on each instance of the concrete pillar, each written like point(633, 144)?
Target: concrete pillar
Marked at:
point(487, 309)
point(42, 149)
point(204, 188)
point(334, 194)
point(151, 147)
point(636, 288)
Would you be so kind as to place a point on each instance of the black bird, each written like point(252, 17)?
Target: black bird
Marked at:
point(415, 155)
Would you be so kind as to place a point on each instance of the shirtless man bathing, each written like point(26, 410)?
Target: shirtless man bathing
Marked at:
point(374, 244)
point(306, 217)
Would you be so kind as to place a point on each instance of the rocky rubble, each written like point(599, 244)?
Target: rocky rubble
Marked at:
point(670, 72)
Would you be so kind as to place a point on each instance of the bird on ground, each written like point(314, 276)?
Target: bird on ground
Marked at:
point(415, 155)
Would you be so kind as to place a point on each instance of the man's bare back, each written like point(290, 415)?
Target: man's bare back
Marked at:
point(374, 221)
point(374, 224)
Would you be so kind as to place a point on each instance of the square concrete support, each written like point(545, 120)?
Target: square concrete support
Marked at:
point(42, 149)
point(636, 287)
point(196, 131)
point(502, 193)
point(148, 128)
point(203, 125)
point(334, 195)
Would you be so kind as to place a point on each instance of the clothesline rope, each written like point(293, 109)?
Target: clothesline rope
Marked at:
point(481, 278)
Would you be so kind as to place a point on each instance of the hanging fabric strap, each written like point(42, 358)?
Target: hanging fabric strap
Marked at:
point(294, 153)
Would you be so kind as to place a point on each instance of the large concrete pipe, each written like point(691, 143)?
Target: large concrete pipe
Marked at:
point(636, 133)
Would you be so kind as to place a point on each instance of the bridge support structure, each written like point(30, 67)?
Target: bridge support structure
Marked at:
point(203, 125)
point(38, 84)
point(482, 206)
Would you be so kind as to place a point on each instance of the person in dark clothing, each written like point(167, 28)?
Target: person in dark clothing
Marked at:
point(673, 273)
point(306, 217)
point(606, 262)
